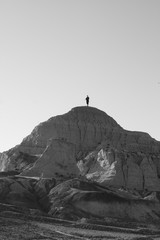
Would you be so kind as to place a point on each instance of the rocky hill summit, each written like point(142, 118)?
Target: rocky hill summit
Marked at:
point(83, 126)
point(86, 141)
point(83, 164)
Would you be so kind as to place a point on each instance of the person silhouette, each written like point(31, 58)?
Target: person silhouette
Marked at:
point(87, 100)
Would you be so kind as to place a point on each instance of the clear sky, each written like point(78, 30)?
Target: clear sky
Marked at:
point(55, 52)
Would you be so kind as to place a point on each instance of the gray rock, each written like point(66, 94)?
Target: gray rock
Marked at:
point(85, 136)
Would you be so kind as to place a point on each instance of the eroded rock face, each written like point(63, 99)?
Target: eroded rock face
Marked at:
point(4, 161)
point(58, 161)
point(83, 126)
point(105, 152)
point(24, 192)
point(16, 160)
point(77, 199)
point(118, 169)
point(134, 178)
point(16, 191)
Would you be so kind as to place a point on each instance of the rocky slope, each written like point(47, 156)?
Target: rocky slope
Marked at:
point(88, 139)
point(76, 199)
point(115, 168)
point(25, 192)
point(58, 161)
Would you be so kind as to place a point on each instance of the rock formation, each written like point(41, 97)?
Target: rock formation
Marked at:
point(25, 192)
point(80, 159)
point(81, 199)
point(117, 168)
point(90, 139)
point(58, 161)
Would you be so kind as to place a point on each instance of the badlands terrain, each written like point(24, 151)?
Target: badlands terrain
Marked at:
point(80, 175)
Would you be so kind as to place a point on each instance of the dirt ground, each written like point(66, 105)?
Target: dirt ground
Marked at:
point(15, 226)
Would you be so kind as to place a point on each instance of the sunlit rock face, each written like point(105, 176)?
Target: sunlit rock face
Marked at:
point(4, 161)
point(117, 168)
point(15, 160)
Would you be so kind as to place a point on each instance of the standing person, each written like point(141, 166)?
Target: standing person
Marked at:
point(87, 100)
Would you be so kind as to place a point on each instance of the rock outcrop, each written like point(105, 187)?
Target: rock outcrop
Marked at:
point(58, 161)
point(76, 199)
point(116, 168)
point(90, 139)
point(26, 192)
point(4, 161)
point(83, 164)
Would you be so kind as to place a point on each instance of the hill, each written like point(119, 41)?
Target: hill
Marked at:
point(92, 162)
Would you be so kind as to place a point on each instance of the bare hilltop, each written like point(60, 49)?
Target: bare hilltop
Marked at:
point(83, 164)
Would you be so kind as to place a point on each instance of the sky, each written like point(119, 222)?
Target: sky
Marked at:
point(55, 52)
